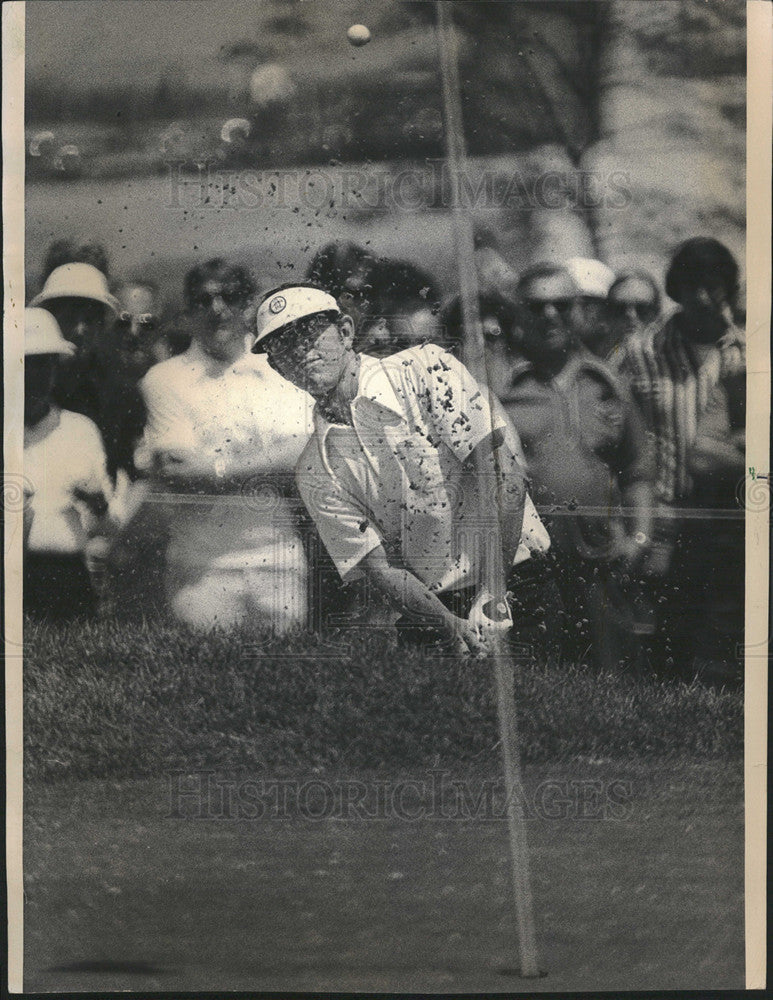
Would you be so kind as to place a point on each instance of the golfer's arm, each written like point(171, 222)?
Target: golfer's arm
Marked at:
point(406, 592)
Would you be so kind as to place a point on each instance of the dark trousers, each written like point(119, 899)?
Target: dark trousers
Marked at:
point(57, 587)
point(704, 616)
point(536, 605)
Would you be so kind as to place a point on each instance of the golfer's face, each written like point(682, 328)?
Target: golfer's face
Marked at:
point(311, 353)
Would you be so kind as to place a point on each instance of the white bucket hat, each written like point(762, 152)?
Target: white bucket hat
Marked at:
point(287, 305)
point(43, 336)
point(77, 281)
point(592, 277)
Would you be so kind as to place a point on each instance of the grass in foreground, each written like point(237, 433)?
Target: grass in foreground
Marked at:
point(120, 699)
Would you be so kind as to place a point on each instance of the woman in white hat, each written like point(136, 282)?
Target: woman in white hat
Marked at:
point(69, 489)
point(78, 297)
point(95, 381)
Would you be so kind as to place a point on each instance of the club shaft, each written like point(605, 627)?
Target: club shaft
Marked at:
point(475, 361)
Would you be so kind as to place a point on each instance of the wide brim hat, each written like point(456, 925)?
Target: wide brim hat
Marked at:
point(77, 281)
point(286, 305)
point(43, 336)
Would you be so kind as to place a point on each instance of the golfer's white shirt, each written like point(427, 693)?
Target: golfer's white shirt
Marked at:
point(239, 415)
point(62, 453)
point(394, 477)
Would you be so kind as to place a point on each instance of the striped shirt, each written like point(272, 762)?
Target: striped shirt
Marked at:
point(672, 380)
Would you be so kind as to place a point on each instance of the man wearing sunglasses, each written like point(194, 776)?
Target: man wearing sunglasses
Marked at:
point(221, 422)
point(389, 475)
point(126, 352)
point(585, 447)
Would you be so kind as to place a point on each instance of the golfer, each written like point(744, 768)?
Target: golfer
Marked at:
point(389, 474)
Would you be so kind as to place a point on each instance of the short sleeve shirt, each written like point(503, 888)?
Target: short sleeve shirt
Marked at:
point(63, 454)
point(394, 477)
point(223, 411)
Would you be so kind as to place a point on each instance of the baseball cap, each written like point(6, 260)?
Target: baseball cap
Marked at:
point(77, 281)
point(42, 334)
point(287, 304)
point(592, 277)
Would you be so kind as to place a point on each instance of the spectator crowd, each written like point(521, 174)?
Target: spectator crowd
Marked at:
point(319, 453)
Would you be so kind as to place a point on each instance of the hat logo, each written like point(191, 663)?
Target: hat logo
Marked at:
point(277, 304)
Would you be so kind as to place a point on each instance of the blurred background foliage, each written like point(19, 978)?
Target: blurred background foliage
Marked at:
point(644, 95)
point(531, 74)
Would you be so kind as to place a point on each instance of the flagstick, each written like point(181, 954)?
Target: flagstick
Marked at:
point(475, 361)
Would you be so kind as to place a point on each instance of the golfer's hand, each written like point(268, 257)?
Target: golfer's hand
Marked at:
point(467, 640)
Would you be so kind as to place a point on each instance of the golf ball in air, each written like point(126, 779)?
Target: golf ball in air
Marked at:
point(358, 34)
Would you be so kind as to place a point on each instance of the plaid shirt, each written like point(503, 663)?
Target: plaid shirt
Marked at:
point(672, 380)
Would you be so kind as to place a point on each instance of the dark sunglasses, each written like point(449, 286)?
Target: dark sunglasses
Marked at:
point(231, 297)
point(69, 309)
point(538, 306)
point(297, 336)
point(644, 310)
